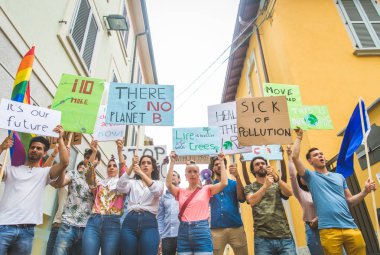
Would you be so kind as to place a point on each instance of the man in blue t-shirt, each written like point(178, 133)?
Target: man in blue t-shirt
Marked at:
point(226, 224)
point(332, 198)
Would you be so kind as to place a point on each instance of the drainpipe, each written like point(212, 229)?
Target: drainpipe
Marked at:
point(262, 58)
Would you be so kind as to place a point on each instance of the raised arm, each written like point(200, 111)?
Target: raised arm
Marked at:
point(122, 162)
point(90, 167)
point(292, 173)
point(284, 177)
point(239, 185)
point(63, 179)
point(50, 160)
point(216, 188)
point(356, 199)
point(244, 168)
point(296, 153)
point(255, 198)
point(6, 144)
point(172, 189)
point(57, 169)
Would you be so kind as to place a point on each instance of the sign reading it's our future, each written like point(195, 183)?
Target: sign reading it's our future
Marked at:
point(196, 141)
point(139, 104)
point(224, 117)
point(28, 118)
point(263, 121)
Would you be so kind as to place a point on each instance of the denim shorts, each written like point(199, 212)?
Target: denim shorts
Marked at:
point(194, 238)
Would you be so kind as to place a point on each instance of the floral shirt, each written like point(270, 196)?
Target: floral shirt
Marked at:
point(79, 201)
point(107, 199)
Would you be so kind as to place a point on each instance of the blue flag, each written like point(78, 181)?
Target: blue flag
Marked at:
point(353, 138)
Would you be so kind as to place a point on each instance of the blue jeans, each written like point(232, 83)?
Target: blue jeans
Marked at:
point(269, 246)
point(16, 240)
point(194, 238)
point(51, 241)
point(313, 241)
point(68, 238)
point(139, 234)
point(102, 232)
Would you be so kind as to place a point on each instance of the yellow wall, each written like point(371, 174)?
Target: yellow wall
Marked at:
point(305, 43)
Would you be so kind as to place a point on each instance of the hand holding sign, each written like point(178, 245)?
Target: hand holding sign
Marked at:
point(6, 144)
point(173, 157)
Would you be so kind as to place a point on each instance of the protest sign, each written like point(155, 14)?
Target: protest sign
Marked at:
point(75, 140)
point(291, 92)
point(224, 117)
point(263, 121)
point(78, 98)
point(107, 132)
point(198, 159)
point(310, 117)
point(158, 152)
point(138, 104)
point(196, 141)
point(28, 118)
point(273, 152)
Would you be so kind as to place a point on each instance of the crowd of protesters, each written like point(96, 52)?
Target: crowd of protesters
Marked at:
point(131, 212)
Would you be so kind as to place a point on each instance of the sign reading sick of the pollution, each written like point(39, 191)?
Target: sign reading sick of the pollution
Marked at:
point(291, 92)
point(140, 104)
point(78, 98)
point(263, 121)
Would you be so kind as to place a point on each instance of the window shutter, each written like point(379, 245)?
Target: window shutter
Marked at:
point(363, 35)
point(80, 24)
point(125, 33)
point(90, 42)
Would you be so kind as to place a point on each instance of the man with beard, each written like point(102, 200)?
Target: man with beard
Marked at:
point(331, 198)
point(167, 219)
point(226, 224)
point(21, 204)
point(272, 232)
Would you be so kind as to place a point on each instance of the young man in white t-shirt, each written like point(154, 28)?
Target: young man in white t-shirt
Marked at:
point(21, 203)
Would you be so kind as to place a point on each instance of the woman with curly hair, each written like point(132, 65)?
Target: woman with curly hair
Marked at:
point(139, 233)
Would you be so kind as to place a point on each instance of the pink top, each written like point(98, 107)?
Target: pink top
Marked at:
point(198, 208)
point(107, 199)
point(302, 196)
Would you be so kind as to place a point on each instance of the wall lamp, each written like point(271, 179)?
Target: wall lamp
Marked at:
point(116, 22)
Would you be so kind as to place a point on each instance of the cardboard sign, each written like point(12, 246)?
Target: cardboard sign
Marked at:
point(28, 118)
point(263, 121)
point(138, 104)
point(224, 117)
point(291, 92)
point(273, 152)
point(199, 159)
point(196, 141)
point(75, 140)
point(107, 132)
point(78, 98)
point(310, 117)
point(158, 152)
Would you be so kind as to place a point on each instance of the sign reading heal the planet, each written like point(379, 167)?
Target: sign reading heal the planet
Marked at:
point(140, 104)
point(196, 141)
point(224, 117)
point(28, 118)
point(270, 152)
point(158, 152)
point(291, 92)
point(310, 117)
point(263, 121)
point(107, 132)
point(78, 98)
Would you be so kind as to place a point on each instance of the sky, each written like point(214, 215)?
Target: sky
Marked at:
point(187, 37)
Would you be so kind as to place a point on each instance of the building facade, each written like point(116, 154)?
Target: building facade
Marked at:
point(73, 37)
point(330, 48)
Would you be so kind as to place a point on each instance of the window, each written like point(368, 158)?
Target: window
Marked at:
point(363, 20)
point(124, 34)
point(84, 31)
point(373, 143)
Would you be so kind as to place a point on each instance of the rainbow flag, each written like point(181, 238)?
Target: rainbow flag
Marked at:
point(21, 93)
